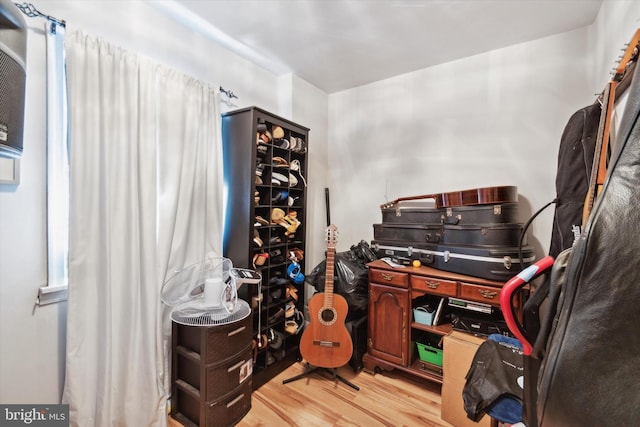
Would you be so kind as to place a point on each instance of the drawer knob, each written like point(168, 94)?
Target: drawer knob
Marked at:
point(432, 285)
point(386, 276)
point(487, 293)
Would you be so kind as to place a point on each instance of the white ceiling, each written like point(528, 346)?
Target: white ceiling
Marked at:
point(340, 44)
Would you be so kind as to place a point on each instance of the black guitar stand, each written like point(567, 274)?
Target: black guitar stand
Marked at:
point(308, 370)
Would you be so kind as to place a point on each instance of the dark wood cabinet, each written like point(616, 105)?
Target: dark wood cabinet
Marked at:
point(388, 319)
point(393, 293)
point(211, 373)
point(265, 166)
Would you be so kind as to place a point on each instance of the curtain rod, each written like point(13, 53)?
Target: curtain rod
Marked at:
point(229, 93)
point(31, 11)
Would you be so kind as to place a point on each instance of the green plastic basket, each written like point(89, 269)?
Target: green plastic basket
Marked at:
point(429, 354)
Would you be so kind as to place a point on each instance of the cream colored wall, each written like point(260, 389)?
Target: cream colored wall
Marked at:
point(614, 27)
point(491, 119)
point(488, 120)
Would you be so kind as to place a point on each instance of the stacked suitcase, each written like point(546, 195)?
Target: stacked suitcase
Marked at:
point(478, 240)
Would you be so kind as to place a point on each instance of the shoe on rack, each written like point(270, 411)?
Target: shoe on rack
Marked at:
point(294, 325)
point(278, 132)
point(265, 137)
point(277, 215)
point(260, 259)
point(292, 292)
point(279, 178)
point(277, 281)
point(275, 240)
point(279, 162)
point(261, 220)
point(256, 238)
point(280, 196)
point(274, 338)
point(282, 143)
point(290, 310)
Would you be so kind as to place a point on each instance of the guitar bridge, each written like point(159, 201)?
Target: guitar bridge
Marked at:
point(329, 344)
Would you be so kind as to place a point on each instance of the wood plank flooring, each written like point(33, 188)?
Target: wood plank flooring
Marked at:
point(385, 399)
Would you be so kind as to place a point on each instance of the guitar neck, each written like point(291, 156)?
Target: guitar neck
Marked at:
point(599, 155)
point(618, 83)
point(329, 273)
point(475, 196)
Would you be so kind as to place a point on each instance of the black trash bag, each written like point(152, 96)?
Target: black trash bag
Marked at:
point(351, 277)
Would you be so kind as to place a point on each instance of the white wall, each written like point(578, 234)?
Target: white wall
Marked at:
point(32, 342)
point(310, 106)
point(487, 120)
point(491, 119)
point(613, 29)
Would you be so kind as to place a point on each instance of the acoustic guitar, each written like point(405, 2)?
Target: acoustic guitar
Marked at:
point(475, 196)
point(325, 342)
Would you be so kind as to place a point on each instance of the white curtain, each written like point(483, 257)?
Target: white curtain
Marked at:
point(146, 199)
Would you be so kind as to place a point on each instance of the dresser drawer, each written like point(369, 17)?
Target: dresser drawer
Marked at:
point(386, 277)
point(485, 294)
point(221, 378)
point(434, 286)
point(216, 343)
point(190, 410)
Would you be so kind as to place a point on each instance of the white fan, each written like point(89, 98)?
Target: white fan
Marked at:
point(206, 293)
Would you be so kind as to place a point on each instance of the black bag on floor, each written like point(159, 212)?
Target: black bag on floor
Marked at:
point(351, 278)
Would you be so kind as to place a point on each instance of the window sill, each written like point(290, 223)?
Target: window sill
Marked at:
point(51, 294)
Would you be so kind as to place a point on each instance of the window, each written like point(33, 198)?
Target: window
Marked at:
point(57, 170)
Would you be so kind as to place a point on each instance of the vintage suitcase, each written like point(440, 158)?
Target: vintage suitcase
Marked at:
point(471, 234)
point(476, 214)
point(487, 262)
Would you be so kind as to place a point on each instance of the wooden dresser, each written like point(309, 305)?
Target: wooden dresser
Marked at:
point(211, 373)
point(392, 331)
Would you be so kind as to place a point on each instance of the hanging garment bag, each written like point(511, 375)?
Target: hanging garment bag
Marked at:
point(590, 375)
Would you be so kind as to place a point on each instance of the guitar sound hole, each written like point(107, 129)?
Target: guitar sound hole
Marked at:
point(327, 315)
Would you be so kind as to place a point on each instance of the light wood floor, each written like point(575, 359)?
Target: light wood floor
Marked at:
point(385, 399)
